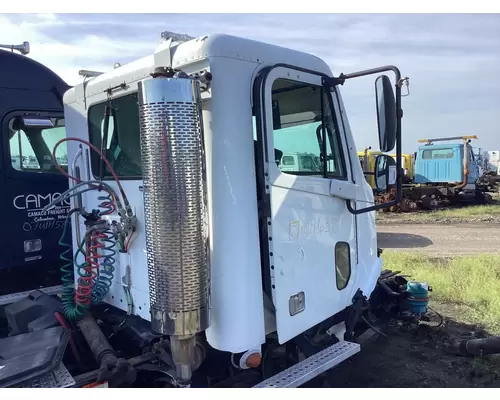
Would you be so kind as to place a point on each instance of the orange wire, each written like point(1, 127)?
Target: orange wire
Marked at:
point(127, 243)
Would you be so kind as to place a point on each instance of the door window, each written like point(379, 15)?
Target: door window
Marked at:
point(305, 137)
point(123, 146)
point(31, 147)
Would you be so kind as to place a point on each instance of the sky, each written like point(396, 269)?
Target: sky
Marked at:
point(452, 60)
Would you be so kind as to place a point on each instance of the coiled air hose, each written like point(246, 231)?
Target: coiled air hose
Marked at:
point(102, 244)
point(71, 309)
point(96, 273)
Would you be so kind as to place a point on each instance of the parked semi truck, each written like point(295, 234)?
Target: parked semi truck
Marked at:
point(446, 173)
point(492, 158)
point(490, 170)
point(32, 121)
point(190, 257)
point(437, 175)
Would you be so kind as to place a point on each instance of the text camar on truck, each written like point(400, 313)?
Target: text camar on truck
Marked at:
point(220, 231)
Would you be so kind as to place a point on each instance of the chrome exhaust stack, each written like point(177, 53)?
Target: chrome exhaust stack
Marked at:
point(176, 213)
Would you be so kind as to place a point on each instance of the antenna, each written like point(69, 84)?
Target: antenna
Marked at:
point(89, 74)
point(176, 37)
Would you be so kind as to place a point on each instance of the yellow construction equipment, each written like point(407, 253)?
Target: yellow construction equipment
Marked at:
point(407, 163)
point(367, 160)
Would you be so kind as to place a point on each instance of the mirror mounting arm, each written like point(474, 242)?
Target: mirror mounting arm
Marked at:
point(399, 114)
point(340, 80)
point(331, 81)
point(376, 71)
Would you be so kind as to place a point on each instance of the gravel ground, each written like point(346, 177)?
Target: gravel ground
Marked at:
point(440, 240)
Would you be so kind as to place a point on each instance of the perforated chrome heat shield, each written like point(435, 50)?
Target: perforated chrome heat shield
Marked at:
point(175, 203)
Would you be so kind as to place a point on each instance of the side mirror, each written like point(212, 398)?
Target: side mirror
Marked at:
point(385, 172)
point(389, 114)
point(386, 113)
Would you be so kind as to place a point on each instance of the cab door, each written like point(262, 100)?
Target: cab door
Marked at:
point(473, 167)
point(311, 235)
point(30, 183)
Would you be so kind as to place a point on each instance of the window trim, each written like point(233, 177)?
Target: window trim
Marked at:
point(344, 189)
point(5, 162)
point(351, 151)
point(93, 154)
point(338, 105)
point(341, 138)
point(345, 166)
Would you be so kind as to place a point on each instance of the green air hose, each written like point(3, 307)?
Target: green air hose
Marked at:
point(91, 289)
point(71, 310)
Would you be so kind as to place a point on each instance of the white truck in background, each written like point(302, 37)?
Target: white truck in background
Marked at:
point(295, 162)
point(492, 161)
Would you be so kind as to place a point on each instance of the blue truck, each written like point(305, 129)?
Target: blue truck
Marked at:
point(445, 174)
point(32, 121)
point(448, 163)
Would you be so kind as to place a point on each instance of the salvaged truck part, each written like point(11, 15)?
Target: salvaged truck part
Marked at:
point(445, 174)
point(203, 262)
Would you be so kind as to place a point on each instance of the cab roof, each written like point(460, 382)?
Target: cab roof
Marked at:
point(24, 73)
point(203, 48)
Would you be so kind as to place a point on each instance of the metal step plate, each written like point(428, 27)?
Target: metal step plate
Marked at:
point(59, 378)
point(12, 298)
point(311, 367)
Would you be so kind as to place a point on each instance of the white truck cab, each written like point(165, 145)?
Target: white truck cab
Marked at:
point(193, 141)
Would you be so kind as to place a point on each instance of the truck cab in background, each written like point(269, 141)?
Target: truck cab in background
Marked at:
point(306, 162)
point(31, 122)
point(447, 163)
point(369, 159)
point(408, 166)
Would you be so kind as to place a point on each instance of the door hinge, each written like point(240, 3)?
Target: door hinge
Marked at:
point(264, 209)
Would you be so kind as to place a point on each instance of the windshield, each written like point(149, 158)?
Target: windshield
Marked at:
point(31, 147)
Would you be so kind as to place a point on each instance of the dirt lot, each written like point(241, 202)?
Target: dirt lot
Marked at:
point(440, 240)
point(422, 358)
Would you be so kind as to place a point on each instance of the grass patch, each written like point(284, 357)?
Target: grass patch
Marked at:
point(469, 281)
point(483, 213)
point(471, 211)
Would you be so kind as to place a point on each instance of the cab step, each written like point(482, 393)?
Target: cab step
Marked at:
point(58, 378)
point(311, 367)
point(12, 298)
